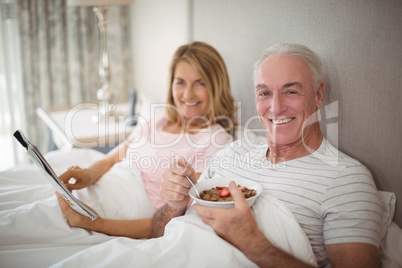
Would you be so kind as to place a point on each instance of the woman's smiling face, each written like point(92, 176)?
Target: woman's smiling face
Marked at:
point(285, 98)
point(190, 93)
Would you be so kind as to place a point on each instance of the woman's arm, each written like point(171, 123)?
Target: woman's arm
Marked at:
point(88, 176)
point(128, 228)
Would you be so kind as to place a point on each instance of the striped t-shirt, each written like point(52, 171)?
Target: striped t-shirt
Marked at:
point(332, 195)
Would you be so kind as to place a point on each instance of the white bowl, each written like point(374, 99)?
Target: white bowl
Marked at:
point(224, 181)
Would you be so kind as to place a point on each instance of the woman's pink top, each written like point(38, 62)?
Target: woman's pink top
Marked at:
point(152, 150)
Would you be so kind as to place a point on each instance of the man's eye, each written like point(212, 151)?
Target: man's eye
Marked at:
point(264, 93)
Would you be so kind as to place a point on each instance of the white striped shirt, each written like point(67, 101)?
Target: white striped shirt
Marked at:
point(332, 195)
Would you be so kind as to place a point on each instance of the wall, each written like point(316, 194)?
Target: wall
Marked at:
point(359, 42)
point(160, 27)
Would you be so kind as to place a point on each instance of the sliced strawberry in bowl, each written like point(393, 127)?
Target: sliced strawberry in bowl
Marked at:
point(224, 192)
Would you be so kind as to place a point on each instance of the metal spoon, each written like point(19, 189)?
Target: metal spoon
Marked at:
point(198, 193)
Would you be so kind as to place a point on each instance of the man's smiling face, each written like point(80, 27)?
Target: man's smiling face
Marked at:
point(285, 98)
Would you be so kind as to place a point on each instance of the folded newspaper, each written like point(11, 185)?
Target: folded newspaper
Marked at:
point(43, 165)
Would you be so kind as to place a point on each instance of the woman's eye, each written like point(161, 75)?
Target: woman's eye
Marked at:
point(201, 84)
point(178, 83)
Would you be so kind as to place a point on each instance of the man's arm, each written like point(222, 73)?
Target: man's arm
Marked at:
point(162, 217)
point(85, 177)
point(264, 254)
point(353, 255)
point(174, 190)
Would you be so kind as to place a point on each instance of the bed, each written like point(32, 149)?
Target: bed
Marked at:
point(34, 233)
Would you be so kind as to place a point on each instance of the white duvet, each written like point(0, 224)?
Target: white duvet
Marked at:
point(33, 232)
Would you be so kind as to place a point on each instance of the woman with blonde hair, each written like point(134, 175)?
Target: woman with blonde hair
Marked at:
point(199, 122)
point(210, 65)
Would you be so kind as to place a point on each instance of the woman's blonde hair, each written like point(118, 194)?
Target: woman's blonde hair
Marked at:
point(209, 63)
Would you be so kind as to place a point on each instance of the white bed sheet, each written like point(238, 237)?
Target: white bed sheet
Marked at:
point(188, 242)
point(33, 231)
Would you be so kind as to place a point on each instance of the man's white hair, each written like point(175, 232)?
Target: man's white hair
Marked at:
point(295, 50)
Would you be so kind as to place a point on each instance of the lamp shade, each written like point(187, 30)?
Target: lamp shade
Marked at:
point(98, 2)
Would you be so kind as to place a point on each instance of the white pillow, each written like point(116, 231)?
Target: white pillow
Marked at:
point(61, 159)
point(391, 256)
point(389, 201)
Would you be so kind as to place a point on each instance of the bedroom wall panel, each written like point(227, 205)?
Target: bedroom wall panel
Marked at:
point(359, 42)
point(160, 27)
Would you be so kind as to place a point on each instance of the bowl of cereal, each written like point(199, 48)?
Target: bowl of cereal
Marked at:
point(215, 192)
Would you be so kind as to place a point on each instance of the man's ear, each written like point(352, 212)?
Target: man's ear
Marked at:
point(320, 95)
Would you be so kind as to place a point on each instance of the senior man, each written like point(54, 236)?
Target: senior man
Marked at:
point(332, 196)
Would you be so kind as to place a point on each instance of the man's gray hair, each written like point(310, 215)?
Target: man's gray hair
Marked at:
point(295, 50)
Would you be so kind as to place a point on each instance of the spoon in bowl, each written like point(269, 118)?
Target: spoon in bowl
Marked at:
point(198, 193)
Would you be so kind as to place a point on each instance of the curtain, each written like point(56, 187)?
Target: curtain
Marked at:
point(11, 104)
point(50, 60)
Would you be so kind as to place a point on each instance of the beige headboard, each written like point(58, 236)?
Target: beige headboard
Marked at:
point(359, 41)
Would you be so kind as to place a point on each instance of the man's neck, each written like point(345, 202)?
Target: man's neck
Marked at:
point(277, 153)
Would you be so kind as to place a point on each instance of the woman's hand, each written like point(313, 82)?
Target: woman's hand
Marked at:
point(83, 178)
point(74, 218)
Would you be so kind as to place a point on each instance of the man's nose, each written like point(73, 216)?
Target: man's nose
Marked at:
point(277, 104)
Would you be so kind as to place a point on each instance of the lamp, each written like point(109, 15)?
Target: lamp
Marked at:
point(105, 93)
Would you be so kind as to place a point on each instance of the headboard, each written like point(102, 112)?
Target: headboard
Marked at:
point(360, 46)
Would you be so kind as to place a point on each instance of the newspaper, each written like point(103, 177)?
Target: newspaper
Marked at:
point(43, 165)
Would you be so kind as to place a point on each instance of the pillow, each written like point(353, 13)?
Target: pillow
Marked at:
point(61, 159)
point(391, 256)
point(389, 201)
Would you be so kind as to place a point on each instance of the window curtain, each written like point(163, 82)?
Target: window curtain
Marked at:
point(50, 60)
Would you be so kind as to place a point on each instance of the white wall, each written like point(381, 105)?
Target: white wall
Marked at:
point(160, 27)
